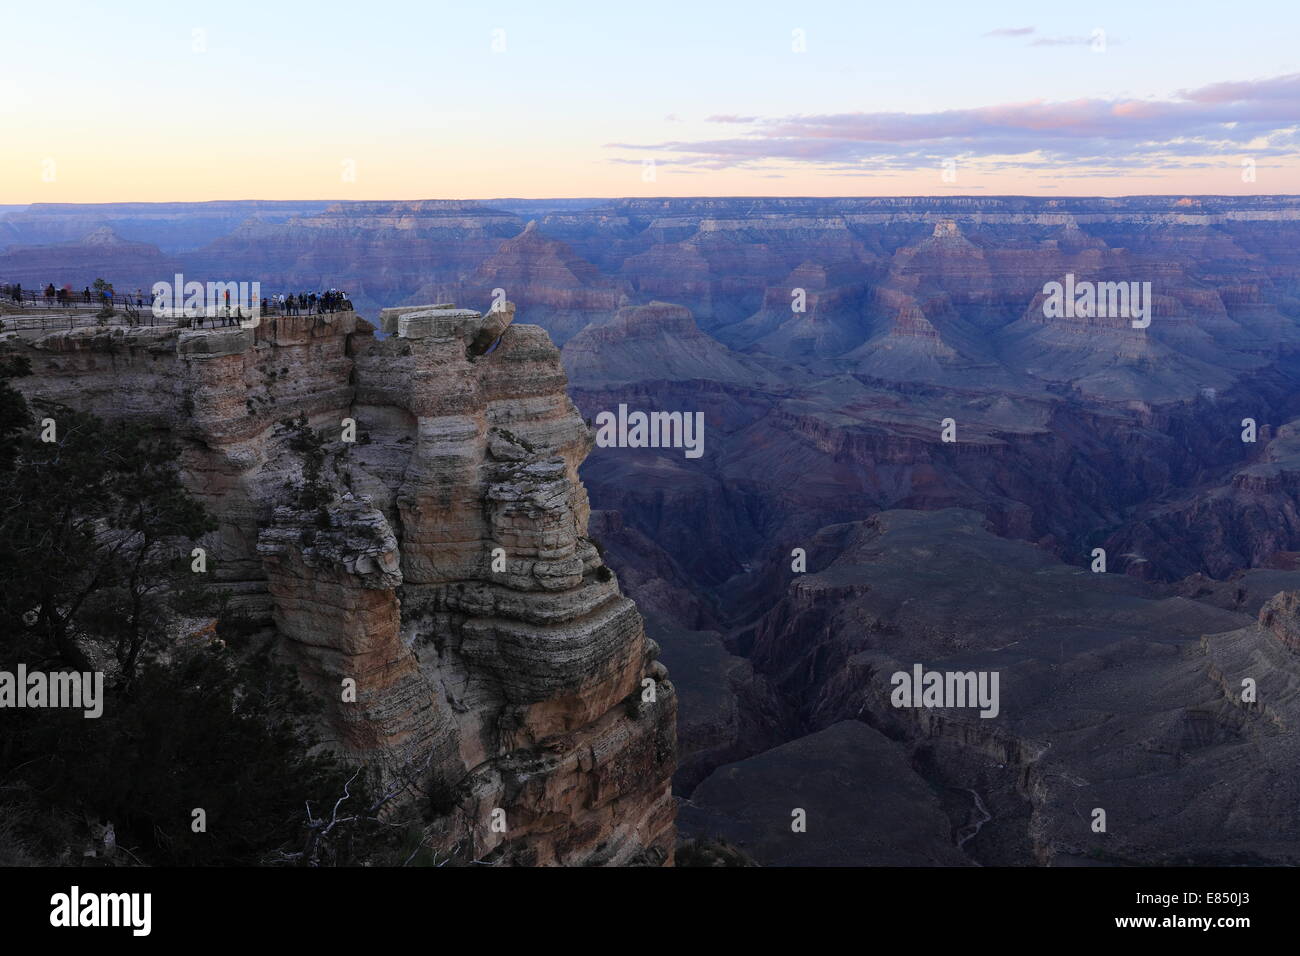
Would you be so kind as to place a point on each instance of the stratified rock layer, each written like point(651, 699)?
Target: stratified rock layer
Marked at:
point(442, 597)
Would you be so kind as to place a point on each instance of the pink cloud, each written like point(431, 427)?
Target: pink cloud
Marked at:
point(1279, 87)
point(1205, 122)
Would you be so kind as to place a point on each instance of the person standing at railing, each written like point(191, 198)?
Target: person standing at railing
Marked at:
point(49, 296)
point(18, 293)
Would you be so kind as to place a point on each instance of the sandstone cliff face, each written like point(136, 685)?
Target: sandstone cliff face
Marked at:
point(562, 291)
point(448, 573)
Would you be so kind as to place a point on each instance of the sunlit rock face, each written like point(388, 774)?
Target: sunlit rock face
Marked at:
point(444, 571)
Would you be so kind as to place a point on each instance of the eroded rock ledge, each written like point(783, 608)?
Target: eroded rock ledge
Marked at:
point(446, 570)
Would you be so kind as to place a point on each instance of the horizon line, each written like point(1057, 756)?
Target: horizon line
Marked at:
point(618, 198)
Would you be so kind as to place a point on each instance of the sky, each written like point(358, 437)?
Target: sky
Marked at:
point(192, 101)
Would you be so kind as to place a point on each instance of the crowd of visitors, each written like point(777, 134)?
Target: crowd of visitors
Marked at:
point(308, 303)
point(292, 303)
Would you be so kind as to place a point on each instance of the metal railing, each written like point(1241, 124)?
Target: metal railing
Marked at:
point(36, 298)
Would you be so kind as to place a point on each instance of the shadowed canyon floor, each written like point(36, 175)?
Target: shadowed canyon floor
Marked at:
point(1111, 697)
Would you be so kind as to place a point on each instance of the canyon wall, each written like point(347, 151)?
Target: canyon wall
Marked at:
point(438, 562)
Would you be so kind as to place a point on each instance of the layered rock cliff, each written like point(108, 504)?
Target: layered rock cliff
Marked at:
point(406, 512)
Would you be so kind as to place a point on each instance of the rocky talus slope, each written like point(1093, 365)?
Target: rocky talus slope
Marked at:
point(439, 560)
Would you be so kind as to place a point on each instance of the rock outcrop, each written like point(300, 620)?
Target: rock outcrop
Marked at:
point(1172, 716)
point(1281, 617)
point(648, 342)
point(407, 513)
